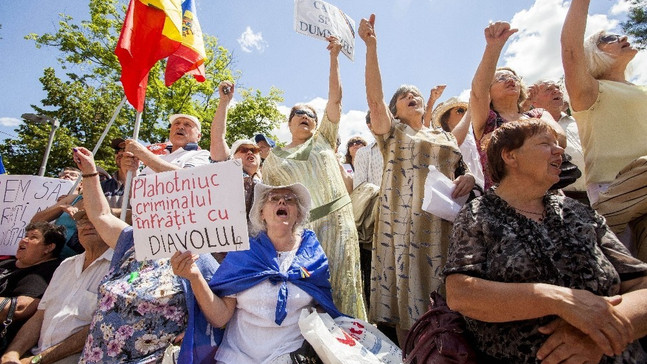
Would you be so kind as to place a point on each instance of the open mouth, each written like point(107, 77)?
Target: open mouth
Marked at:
point(305, 122)
point(281, 212)
point(413, 103)
point(557, 163)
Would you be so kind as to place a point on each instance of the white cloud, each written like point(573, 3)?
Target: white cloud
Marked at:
point(621, 7)
point(8, 121)
point(249, 41)
point(534, 52)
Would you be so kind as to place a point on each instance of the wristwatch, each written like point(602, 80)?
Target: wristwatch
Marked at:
point(36, 359)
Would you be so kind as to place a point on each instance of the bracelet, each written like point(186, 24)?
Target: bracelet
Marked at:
point(90, 175)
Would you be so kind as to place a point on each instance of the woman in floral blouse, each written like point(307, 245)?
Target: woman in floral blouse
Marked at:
point(142, 304)
point(540, 277)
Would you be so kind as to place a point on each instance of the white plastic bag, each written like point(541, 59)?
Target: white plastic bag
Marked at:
point(347, 340)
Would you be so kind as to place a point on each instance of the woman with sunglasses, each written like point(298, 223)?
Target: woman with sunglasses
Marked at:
point(611, 115)
point(310, 159)
point(409, 243)
point(497, 94)
point(352, 146)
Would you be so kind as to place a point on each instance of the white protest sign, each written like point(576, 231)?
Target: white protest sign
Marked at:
point(321, 20)
point(21, 198)
point(200, 209)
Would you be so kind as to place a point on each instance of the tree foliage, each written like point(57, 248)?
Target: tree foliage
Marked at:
point(84, 97)
point(636, 25)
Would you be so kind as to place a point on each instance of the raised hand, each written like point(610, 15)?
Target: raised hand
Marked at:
point(333, 46)
point(367, 30)
point(497, 33)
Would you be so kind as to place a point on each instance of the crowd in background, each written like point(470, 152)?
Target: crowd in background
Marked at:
point(552, 234)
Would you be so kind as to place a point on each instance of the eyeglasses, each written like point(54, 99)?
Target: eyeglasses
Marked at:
point(356, 142)
point(503, 77)
point(288, 197)
point(610, 38)
point(304, 112)
point(81, 218)
point(244, 150)
point(460, 110)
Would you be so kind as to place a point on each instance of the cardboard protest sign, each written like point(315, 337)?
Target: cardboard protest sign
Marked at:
point(320, 20)
point(200, 209)
point(21, 198)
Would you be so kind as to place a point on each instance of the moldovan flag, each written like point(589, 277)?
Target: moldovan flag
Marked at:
point(152, 30)
point(189, 57)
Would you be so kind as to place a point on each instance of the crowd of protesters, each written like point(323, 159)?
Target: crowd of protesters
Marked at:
point(553, 232)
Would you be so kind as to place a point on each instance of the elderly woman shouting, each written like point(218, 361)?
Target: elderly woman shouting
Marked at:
point(143, 307)
point(530, 270)
point(259, 293)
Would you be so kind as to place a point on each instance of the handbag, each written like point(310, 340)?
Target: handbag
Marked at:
point(4, 340)
point(347, 340)
point(438, 336)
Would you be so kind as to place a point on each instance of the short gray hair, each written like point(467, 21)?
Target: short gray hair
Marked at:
point(402, 90)
point(257, 224)
point(597, 61)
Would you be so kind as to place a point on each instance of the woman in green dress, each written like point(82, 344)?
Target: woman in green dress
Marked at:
point(311, 160)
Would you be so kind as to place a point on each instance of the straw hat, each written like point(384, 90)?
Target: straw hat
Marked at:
point(445, 106)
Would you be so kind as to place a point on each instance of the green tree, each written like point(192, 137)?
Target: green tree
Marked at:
point(86, 95)
point(636, 25)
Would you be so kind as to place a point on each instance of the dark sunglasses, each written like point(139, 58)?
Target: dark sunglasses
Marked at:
point(610, 38)
point(356, 142)
point(244, 150)
point(460, 110)
point(304, 112)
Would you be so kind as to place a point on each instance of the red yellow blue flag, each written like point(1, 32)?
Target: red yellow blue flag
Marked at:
point(152, 30)
point(189, 57)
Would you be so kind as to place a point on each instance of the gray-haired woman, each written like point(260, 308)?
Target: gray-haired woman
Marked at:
point(611, 113)
point(259, 293)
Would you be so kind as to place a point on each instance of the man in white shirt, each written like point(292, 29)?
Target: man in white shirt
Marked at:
point(57, 331)
point(184, 134)
point(549, 96)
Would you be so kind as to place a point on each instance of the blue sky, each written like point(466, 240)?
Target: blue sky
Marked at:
point(421, 42)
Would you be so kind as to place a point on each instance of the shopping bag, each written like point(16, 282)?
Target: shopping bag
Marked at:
point(359, 342)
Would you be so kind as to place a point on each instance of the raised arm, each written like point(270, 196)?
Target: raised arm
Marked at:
point(107, 225)
point(462, 128)
point(53, 212)
point(218, 148)
point(381, 117)
point(333, 107)
point(434, 95)
point(496, 34)
point(582, 88)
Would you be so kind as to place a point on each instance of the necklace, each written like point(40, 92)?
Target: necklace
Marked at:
point(541, 215)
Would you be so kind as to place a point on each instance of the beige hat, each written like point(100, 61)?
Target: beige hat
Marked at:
point(445, 106)
point(255, 218)
point(238, 143)
point(187, 116)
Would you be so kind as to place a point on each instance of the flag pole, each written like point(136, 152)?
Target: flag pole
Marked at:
point(129, 175)
point(103, 136)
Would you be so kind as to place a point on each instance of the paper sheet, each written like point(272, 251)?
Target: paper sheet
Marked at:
point(437, 199)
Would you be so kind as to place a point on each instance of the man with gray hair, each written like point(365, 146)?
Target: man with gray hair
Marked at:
point(549, 96)
point(184, 134)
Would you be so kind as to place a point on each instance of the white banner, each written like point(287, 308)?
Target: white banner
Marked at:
point(320, 20)
point(22, 197)
point(200, 209)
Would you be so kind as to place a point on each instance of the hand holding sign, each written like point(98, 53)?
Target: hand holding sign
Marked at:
point(321, 20)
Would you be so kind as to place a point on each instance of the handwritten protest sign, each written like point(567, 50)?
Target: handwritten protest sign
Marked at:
point(22, 197)
point(199, 209)
point(321, 20)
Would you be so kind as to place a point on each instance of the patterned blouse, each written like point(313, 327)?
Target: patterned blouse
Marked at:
point(571, 247)
point(141, 309)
